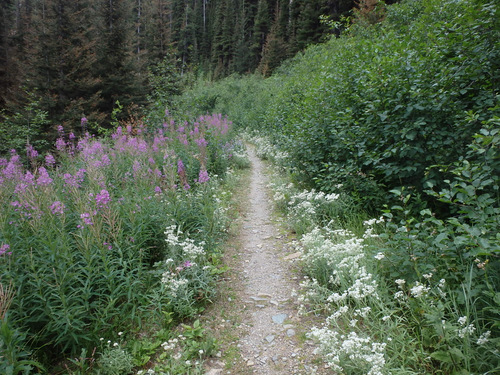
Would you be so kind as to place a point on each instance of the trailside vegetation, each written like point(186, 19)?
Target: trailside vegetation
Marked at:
point(106, 244)
point(398, 119)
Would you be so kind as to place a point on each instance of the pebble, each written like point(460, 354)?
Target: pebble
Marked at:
point(270, 338)
point(290, 332)
point(258, 299)
point(279, 318)
point(293, 256)
point(250, 363)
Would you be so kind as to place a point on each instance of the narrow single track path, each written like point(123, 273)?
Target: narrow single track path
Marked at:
point(268, 331)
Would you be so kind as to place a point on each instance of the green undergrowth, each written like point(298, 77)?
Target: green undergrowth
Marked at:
point(398, 296)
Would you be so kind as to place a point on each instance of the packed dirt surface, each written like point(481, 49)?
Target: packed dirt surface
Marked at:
point(256, 318)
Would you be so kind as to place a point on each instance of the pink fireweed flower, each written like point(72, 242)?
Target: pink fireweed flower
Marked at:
point(105, 160)
point(60, 130)
point(4, 250)
point(71, 136)
point(203, 176)
point(181, 171)
point(157, 189)
point(180, 166)
point(142, 145)
point(60, 144)
point(87, 220)
point(102, 199)
point(20, 188)
point(31, 152)
point(70, 180)
point(136, 166)
point(13, 170)
point(187, 264)
point(157, 172)
point(43, 178)
point(83, 123)
point(201, 142)
point(57, 208)
point(49, 160)
point(29, 178)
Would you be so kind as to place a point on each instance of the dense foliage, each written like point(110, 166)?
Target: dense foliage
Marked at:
point(382, 104)
point(401, 119)
point(109, 235)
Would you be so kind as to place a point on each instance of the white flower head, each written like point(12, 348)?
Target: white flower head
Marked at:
point(400, 282)
point(483, 339)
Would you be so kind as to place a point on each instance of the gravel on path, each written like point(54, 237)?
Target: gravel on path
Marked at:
point(270, 334)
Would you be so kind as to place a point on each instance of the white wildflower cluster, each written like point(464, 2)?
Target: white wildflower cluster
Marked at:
point(281, 193)
point(189, 250)
point(343, 257)
point(419, 290)
point(266, 150)
point(172, 282)
point(466, 331)
point(369, 225)
point(484, 338)
point(174, 346)
point(308, 202)
point(351, 351)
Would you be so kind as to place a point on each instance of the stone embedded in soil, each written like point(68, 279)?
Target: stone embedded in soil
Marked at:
point(258, 299)
point(270, 338)
point(290, 332)
point(293, 256)
point(264, 295)
point(279, 318)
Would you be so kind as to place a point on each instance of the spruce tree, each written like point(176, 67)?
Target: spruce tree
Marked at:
point(121, 80)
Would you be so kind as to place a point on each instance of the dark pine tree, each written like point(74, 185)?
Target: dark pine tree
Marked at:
point(118, 65)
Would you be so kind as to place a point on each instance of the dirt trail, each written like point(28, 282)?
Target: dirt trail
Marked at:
point(260, 325)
